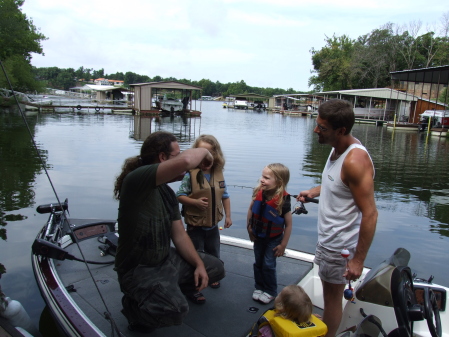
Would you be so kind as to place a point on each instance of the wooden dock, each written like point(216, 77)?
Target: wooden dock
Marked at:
point(79, 107)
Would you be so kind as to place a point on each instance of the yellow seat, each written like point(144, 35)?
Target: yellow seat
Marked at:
point(286, 328)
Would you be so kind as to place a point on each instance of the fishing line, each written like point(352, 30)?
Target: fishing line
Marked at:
point(53, 188)
point(314, 200)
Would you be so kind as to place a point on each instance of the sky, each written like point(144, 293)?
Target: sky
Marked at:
point(265, 43)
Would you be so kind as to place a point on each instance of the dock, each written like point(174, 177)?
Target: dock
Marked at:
point(97, 108)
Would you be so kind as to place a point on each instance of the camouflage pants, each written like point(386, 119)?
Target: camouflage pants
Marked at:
point(153, 298)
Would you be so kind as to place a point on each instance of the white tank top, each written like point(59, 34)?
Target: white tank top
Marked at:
point(338, 217)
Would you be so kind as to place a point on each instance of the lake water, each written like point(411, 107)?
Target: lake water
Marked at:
point(83, 153)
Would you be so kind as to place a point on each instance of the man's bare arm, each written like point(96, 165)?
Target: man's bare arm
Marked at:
point(357, 174)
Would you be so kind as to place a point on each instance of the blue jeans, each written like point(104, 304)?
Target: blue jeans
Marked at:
point(205, 240)
point(265, 266)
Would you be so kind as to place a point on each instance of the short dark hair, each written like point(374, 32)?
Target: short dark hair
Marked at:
point(339, 113)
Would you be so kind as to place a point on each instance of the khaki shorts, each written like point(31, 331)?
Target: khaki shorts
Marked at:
point(331, 264)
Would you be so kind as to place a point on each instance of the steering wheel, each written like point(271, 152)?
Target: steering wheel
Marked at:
point(431, 312)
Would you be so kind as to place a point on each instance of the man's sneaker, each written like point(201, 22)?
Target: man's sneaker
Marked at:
point(265, 298)
point(256, 294)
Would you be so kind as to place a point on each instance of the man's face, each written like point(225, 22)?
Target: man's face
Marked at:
point(326, 134)
point(175, 150)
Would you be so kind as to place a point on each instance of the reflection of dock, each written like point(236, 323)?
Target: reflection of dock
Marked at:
point(185, 128)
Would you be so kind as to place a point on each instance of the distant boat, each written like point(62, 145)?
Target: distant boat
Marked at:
point(169, 104)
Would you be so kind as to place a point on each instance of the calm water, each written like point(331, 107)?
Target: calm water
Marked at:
point(84, 153)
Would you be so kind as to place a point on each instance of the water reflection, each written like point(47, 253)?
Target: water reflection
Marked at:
point(411, 172)
point(19, 167)
point(185, 128)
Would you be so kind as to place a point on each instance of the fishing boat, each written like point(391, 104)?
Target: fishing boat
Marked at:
point(73, 264)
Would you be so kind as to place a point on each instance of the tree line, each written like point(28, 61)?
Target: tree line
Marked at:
point(57, 78)
point(366, 62)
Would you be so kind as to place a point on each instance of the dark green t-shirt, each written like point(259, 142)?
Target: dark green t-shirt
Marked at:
point(145, 217)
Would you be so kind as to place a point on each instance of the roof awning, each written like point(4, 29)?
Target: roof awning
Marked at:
point(426, 75)
point(251, 96)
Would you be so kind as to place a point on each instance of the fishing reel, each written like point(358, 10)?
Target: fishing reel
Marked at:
point(300, 209)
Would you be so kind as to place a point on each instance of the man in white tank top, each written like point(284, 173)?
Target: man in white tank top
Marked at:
point(347, 211)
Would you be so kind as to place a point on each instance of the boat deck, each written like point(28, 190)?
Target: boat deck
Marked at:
point(229, 310)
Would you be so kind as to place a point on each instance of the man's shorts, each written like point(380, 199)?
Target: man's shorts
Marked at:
point(331, 264)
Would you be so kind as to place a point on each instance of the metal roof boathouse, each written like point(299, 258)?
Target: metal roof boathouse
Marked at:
point(147, 95)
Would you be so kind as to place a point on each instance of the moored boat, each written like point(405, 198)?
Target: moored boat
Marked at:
point(87, 302)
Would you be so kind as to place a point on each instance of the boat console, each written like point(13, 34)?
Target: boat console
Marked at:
point(388, 294)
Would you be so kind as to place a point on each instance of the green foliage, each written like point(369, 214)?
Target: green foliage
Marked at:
point(332, 64)
point(20, 75)
point(18, 39)
point(65, 78)
point(444, 96)
point(56, 78)
point(366, 62)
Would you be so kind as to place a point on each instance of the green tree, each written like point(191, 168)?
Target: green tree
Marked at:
point(18, 39)
point(375, 55)
point(444, 96)
point(98, 73)
point(332, 64)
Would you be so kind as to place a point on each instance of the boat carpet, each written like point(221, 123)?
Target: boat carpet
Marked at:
point(228, 311)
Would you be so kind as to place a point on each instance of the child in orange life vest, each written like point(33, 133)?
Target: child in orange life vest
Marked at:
point(292, 303)
point(204, 195)
point(269, 227)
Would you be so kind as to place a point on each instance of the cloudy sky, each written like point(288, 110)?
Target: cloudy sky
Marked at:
point(266, 43)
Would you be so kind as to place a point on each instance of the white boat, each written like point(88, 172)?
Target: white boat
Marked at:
point(240, 103)
point(387, 300)
point(438, 119)
point(169, 104)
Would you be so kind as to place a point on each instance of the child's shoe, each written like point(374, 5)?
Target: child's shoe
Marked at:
point(265, 298)
point(256, 294)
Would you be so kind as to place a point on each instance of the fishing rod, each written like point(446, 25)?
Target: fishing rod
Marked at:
point(299, 209)
point(292, 195)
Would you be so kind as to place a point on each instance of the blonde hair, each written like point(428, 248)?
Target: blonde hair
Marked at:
point(294, 304)
point(282, 175)
point(219, 160)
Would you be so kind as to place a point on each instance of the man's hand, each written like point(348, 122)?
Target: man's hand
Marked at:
point(353, 270)
point(201, 277)
point(207, 162)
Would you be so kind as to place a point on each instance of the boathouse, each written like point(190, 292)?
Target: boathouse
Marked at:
point(146, 95)
point(427, 84)
point(294, 103)
point(376, 103)
point(103, 93)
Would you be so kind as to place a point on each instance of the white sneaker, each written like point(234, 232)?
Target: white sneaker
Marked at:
point(265, 298)
point(256, 294)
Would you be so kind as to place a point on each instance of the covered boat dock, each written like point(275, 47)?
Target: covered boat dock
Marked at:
point(146, 96)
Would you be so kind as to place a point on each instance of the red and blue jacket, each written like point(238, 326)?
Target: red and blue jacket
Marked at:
point(266, 221)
